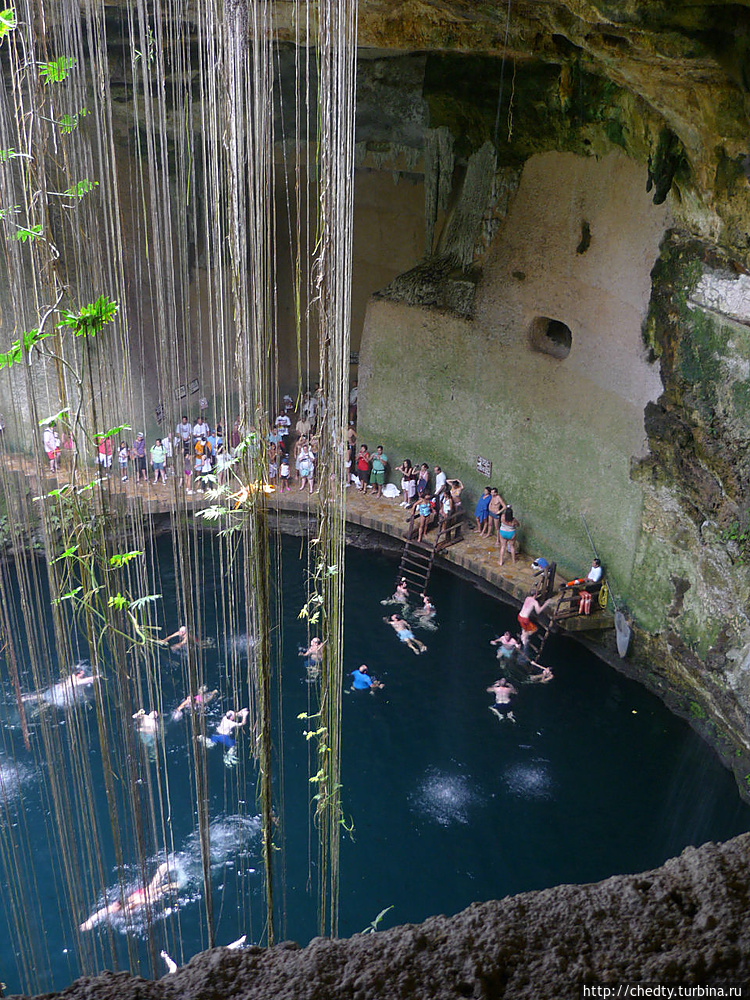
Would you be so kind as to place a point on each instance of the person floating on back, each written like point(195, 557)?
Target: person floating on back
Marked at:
point(405, 634)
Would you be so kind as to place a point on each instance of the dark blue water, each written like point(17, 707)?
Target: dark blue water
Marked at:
point(449, 804)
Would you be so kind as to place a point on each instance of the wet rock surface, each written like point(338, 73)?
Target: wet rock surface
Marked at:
point(683, 924)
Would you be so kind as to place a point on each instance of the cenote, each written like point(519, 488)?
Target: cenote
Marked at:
point(447, 805)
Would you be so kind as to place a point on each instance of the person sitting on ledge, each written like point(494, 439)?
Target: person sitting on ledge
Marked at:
point(595, 573)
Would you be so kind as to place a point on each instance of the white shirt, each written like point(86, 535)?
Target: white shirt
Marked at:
point(201, 428)
point(440, 480)
point(183, 431)
point(595, 574)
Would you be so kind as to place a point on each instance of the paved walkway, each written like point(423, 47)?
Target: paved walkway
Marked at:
point(473, 556)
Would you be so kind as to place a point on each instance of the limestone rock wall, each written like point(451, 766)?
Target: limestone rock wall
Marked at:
point(560, 431)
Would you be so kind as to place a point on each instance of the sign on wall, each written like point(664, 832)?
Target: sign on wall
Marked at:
point(484, 466)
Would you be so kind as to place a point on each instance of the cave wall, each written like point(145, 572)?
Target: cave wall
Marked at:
point(560, 432)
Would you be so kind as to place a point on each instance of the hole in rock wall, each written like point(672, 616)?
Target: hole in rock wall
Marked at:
point(550, 336)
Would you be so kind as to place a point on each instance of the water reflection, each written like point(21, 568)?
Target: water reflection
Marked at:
point(529, 780)
point(445, 798)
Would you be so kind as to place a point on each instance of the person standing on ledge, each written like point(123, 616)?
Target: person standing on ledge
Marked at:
point(158, 460)
point(139, 452)
point(377, 476)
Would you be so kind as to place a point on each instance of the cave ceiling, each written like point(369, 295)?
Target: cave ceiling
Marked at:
point(683, 67)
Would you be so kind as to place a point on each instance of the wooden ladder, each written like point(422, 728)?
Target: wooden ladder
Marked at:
point(543, 590)
point(417, 559)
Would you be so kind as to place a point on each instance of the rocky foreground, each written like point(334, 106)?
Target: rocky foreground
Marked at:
point(685, 923)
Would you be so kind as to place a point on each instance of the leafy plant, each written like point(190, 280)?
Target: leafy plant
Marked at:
point(91, 318)
point(81, 188)
point(8, 21)
point(68, 123)
point(8, 154)
point(30, 233)
point(5, 212)
point(112, 432)
point(740, 534)
point(18, 347)
point(373, 925)
point(123, 558)
point(56, 70)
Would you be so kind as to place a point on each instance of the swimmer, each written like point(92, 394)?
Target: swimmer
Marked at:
point(158, 887)
point(405, 634)
point(361, 680)
point(314, 654)
point(181, 635)
point(507, 646)
point(146, 722)
point(530, 606)
point(203, 697)
point(537, 673)
point(503, 692)
point(66, 692)
point(314, 651)
point(224, 734)
point(427, 610)
point(400, 594)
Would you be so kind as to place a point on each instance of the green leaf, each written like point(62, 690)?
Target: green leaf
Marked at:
point(69, 596)
point(55, 417)
point(141, 602)
point(15, 354)
point(112, 432)
point(67, 554)
point(67, 124)
point(212, 513)
point(6, 212)
point(91, 318)
point(8, 21)
point(8, 154)
point(56, 70)
point(81, 188)
point(118, 601)
point(24, 233)
point(120, 559)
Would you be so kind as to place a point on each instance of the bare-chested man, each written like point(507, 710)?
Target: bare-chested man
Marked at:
point(405, 634)
point(503, 692)
point(530, 606)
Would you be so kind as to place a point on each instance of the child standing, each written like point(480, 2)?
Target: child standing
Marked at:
point(123, 453)
point(284, 474)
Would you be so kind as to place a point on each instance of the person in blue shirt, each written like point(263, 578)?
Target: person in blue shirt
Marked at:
point(361, 680)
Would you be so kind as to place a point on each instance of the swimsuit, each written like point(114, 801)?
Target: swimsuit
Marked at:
point(501, 707)
point(527, 624)
point(223, 738)
point(405, 634)
point(424, 510)
point(507, 533)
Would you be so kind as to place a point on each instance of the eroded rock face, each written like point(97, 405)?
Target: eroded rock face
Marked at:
point(682, 924)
